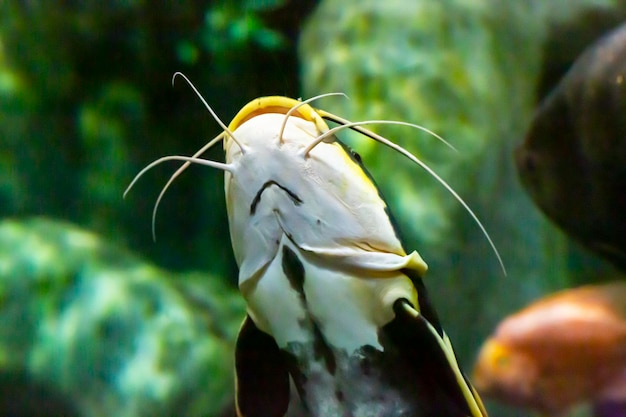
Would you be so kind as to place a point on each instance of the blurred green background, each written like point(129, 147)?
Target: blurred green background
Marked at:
point(86, 101)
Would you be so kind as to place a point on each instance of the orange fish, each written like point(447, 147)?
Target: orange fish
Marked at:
point(561, 351)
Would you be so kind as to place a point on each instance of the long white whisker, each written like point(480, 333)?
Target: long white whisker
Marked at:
point(175, 175)
point(451, 191)
point(297, 106)
point(158, 161)
point(187, 160)
point(213, 164)
point(346, 124)
point(416, 160)
point(243, 148)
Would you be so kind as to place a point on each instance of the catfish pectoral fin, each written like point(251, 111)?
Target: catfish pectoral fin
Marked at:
point(262, 380)
point(442, 388)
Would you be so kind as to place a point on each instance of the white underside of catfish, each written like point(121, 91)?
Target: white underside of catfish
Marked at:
point(349, 306)
point(311, 199)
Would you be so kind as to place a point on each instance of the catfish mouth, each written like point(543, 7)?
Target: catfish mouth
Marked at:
point(257, 198)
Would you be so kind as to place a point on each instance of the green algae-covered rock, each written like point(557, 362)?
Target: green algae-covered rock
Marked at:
point(469, 71)
point(111, 334)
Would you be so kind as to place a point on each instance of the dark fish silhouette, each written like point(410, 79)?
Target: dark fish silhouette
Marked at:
point(573, 159)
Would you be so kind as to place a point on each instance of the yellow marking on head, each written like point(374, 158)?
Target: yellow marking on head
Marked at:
point(280, 105)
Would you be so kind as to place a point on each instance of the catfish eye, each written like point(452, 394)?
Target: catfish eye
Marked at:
point(356, 156)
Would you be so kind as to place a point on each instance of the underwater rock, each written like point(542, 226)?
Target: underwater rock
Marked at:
point(108, 334)
point(573, 159)
point(560, 351)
